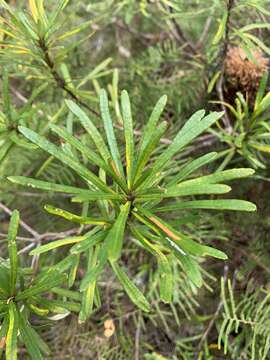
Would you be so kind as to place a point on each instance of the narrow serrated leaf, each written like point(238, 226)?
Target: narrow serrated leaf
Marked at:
point(116, 234)
point(128, 131)
point(11, 341)
point(59, 154)
point(135, 295)
point(108, 126)
point(12, 249)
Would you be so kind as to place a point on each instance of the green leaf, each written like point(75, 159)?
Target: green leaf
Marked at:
point(96, 269)
point(3, 332)
point(44, 185)
point(60, 7)
point(76, 30)
point(61, 306)
point(164, 268)
point(31, 339)
point(73, 141)
point(93, 239)
point(50, 280)
point(132, 291)
point(91, 129)
point(128, 130)
point(152, 123)
point(213, 82)
point(12, 249)
point(73, 271)
point(108, 126)
point(89, 292)
point(58, 306)
point(258, 42)
point(255, 26)
point(192, 166)
point(261, 91)
point(166, 279)
point(37, 309)
point(96, 72)
point(192, 128)
point(57, 243)
point(221, 29)
point(83, 194)
point(185, 190)
point(220, 176)
point(4, 279)
point(59, 154)
point(75, 218)
point(179, 241)
point(64, 264)
point(90, 155)
point(186, 246)
point(263, 148)
point(116, 234)
point(21, 142)
point(4, 149)
point(191, 268)
point(5, 94)
point(193, 120)
point(66, 293)
point(96, 195)
point(11, 341)
point(227, 204)
point(144, 156)
point(210, 251)
point(87, 302)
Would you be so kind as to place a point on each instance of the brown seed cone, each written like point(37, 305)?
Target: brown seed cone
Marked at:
point(243, 74)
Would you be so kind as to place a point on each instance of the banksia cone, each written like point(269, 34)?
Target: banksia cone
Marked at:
point(243, 74)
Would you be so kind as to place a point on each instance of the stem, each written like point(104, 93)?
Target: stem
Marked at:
point(223, 55)
point(59, 80)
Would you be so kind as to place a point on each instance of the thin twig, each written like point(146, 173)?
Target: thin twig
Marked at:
point(21, 238)
point(61, 81)
point(26, 249)
point(179, 34)
point(37, 237)
point(205, 31)
point(28, 228)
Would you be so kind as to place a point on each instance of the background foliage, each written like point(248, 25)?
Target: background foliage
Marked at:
point(182, 49)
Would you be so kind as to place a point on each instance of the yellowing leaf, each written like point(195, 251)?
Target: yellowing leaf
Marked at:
point(7, 33)
point(263, 148)
point(221, 29)
point(33, 9)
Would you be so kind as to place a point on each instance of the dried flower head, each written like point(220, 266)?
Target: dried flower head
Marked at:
point(242, 73)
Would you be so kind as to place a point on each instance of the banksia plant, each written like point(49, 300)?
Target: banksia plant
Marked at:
point(22, 295)
point(133, 194)
point(250, 135)
point(35, 40)
point(242, 73)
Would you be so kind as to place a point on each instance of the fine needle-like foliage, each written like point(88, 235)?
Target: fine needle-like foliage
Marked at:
point(22, 295)
point(130, 192)
point(250, 316)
